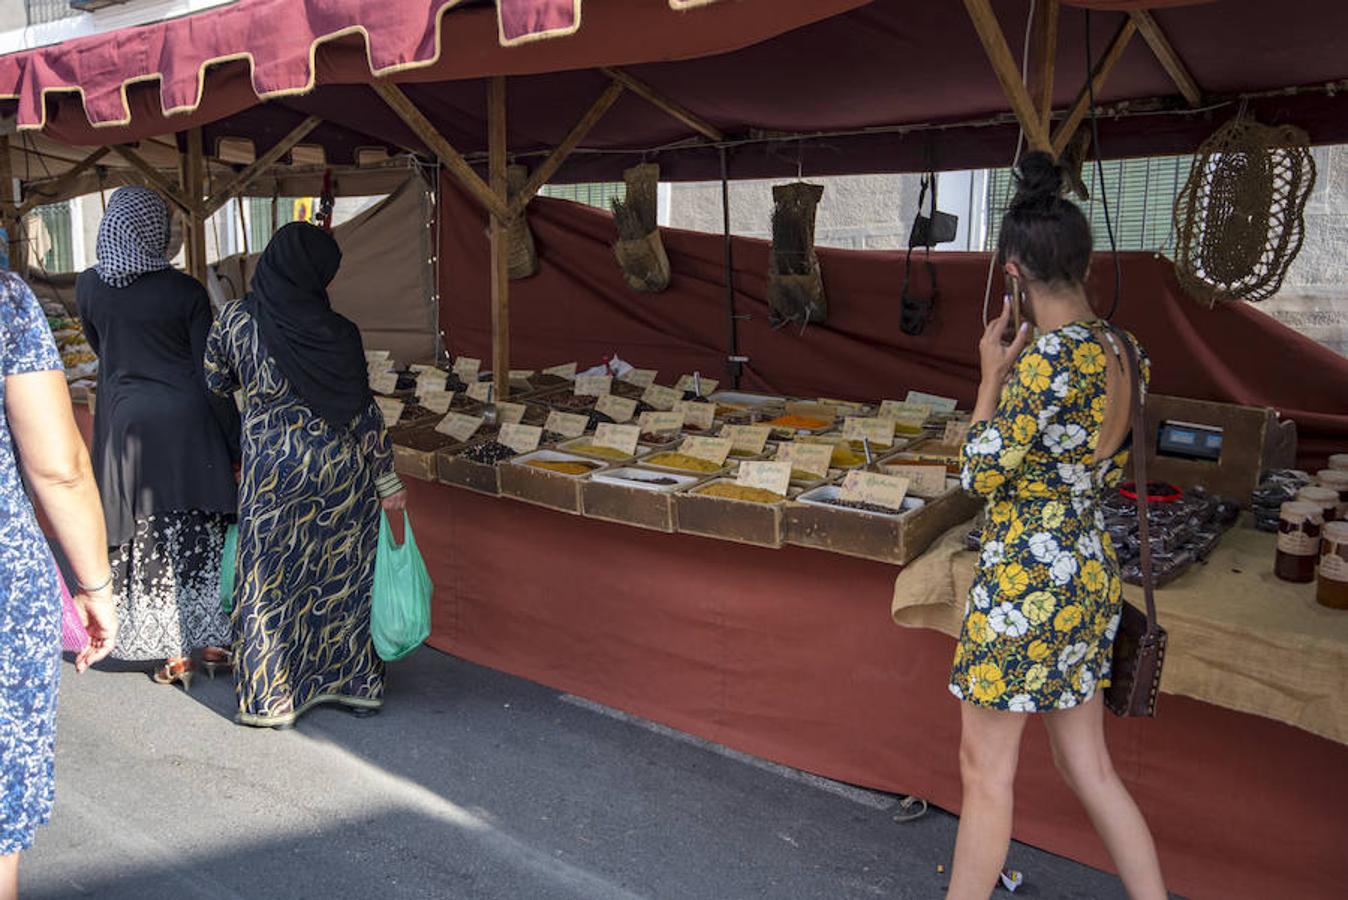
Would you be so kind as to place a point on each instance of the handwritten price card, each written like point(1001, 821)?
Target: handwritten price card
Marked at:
point(510, 414)
point(772, 476)
point(697, 415)
point(925, 481)
point(521, 438)
point(567, 371)
point(713, 450)
point(662, 398)
point(593, 385)
point(934, 402)
point(808, 459)
point(750, 439)
point(619, 409)
point(392, 410)
point(640, 377)
point(618, 437)
point(566, 424)
point(384, 382)
point(880, 432)
point(696, 382)
point(467, 368)
point(436, 401)
point(887, 491)
point(459, 426)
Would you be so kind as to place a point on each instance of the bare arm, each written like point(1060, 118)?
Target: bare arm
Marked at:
point(56, 463)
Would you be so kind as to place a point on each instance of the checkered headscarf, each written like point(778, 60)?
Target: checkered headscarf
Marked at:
point(133, 236)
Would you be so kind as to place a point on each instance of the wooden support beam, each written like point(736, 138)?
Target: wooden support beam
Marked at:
point(544, 172)
point(9, 211)
point(156, 178)
point(450, 158)
point(194, 187)
point(1113, 53)
point(654, 97)
point(1165, 53)
point(58, 185)
point(261, 164)
point(500, 250)
point(1043, 56)
point(1004, 65)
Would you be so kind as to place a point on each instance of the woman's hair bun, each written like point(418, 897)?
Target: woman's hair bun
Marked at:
point(1038, 179)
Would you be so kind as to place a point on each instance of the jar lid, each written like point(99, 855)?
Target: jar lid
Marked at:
point(1300, 508)
point(1339, 461)
point(1337, 477)
point(1314, 493)
point(1336, 531)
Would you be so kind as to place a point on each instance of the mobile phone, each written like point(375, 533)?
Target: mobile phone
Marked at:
point(1012, 290)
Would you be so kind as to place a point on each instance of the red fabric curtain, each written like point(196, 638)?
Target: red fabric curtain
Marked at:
point(577, 307)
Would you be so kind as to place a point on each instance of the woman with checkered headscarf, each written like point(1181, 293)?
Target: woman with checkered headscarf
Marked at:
point(164, 448)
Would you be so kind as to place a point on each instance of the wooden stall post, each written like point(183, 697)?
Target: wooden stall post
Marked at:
point(193, 187)
point(500, 250)
point(1043, 55)
point(1004, 66)
point(9, 209)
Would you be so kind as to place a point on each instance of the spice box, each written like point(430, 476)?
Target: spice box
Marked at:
point(673, 461)
point(741, 521)
point(587, 447)
point(460, 470)
point(634, 496)
point(813, 521)
point(548, 478)
point(415, 449)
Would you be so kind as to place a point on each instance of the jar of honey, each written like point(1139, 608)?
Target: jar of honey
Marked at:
point(1336, 479)
point(1332, 590)
point(1299, 527)
point(1339, 461)
point(1325, 498)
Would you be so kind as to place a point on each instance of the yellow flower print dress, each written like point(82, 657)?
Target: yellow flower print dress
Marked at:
point(1041, 617)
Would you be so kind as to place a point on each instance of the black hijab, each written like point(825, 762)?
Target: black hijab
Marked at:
point(318, 350)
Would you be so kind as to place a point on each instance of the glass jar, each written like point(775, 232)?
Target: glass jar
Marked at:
point(1299, 527)
point(1332, 589)
point(1325, 498)
point(1339, 461)
point(1336, 479)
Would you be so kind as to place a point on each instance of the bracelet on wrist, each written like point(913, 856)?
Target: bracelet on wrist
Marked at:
point(103, 586)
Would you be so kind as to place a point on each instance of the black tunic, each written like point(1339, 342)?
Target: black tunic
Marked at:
point(162, 442)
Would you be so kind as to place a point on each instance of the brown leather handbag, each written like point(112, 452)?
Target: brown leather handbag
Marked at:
point(1139, 646)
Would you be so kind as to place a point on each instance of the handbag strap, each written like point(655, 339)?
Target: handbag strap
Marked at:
point(1127, 355)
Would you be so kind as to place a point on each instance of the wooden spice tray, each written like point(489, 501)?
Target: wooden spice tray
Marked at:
point(453, 469)
point(607, 496)
point(542, 487)
point(415, 449)
point(741, 521)
point(890, 539)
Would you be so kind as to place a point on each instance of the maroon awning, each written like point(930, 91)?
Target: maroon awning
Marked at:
point(868, 85)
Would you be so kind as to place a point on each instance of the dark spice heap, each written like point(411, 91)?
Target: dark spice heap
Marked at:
point(572, 402)
point(414, 411)
point(630, 391)
point(857, 505)
point(643, 407)
point(425, 440)
point(661, 480)
point(547, 382)
point(597, 419)
point(1277, 487)
point(489, 453)
point(659, 438)
point(455, 383)
point(695, 396)
point(406, 381)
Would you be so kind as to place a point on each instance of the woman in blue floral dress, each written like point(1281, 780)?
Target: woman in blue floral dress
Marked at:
point(1049, 437)
point(39, 437)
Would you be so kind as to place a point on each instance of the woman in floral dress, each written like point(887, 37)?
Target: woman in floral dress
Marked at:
point(1050, 436)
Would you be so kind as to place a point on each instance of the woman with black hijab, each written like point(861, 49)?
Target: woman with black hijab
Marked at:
point(164, 446)
point(317, 464)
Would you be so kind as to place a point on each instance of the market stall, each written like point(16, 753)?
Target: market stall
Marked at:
point(753, 639)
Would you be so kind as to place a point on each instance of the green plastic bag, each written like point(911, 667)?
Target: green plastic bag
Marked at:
point(400, 612)
point(229, 560)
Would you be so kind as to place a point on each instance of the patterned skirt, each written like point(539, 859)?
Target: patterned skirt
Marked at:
point(168, 581)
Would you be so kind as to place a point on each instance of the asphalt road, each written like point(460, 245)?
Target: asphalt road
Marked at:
point(471, 784)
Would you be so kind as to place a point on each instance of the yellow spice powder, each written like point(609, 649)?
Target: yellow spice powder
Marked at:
point(562, 466)
point(589, 449)
point(728, 491)
point(682, 461)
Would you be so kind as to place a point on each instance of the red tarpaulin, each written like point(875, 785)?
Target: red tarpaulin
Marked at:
point(578, 305)
point(889, 85)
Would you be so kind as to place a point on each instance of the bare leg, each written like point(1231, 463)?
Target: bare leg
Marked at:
point(989, 753)
point(1078, 737)
point(9, 877)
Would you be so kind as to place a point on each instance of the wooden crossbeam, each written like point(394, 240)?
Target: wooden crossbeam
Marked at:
point(1165, 53)
point(450, 158)
point(678, 111)
point(155, 178)
point(1043, 56)
point(1113, 53)
point(58, 185)
point(1004, 65)
point(193, 174)
point(544, 172)
point(261, 164)
point(499, 236)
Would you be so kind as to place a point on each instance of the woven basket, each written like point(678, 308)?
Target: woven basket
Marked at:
point(521, 253)
point(640, 250)
point(1239, 220)
point(795, 283)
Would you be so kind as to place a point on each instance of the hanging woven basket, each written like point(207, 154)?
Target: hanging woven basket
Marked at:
point(640, 250)
point(795, 284)
point(522, 256)
point(1240, 220)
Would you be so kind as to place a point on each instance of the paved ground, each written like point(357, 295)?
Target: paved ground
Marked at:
point(471, 784)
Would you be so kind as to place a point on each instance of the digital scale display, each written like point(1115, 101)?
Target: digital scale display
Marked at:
point(1187, 440)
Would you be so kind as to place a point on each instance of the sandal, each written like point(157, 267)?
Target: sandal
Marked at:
point(213, 658)
point(176, 671)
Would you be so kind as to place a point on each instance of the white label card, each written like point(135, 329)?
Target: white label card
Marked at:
point(661, 397)
point(697, 415)
point(619, 409)
point(566, 424)
point(566, 371)
point(467, 368)
point(809, 459)
point(436, 401)
point(459, 426)
point(696, 382)
point(934, 402)
point(925, 481)
point(872, 487)
point(521, 374)
point(747, 438)
point(384, 383)
point(481, 391)
point(879, 432)
point(391, 409)
point(510, 414)
point(428, 382)
point(377, 356)
point(955, 433)
point(640, 377)
point(593, 385)
point(662, 423)
point(618, 437)
point(768, 475)
point(421, 368)
point(902, 410)
point(521, 438)
point(713, 450)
